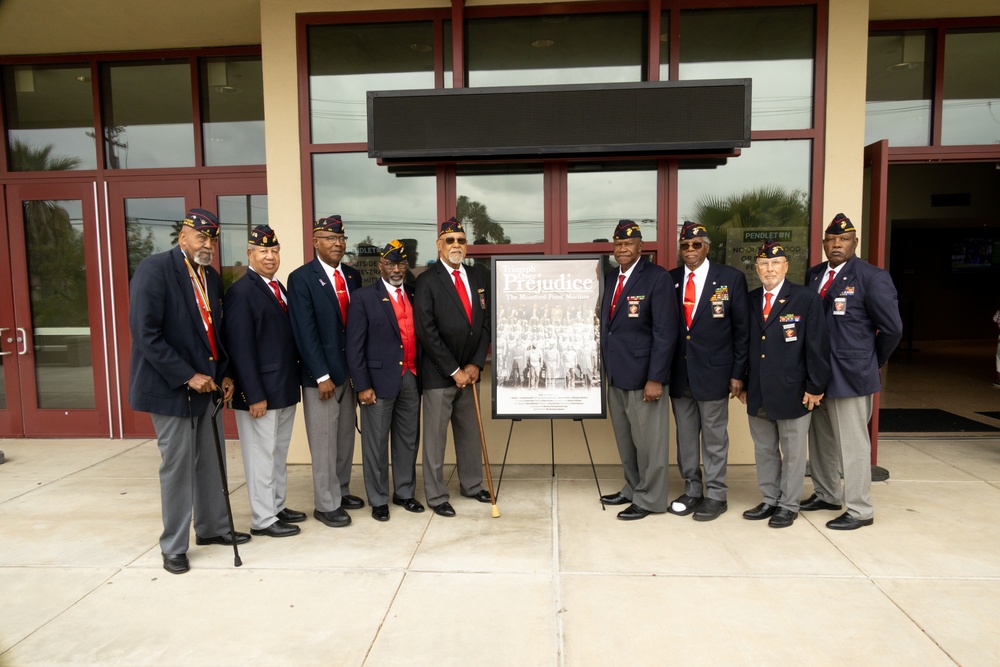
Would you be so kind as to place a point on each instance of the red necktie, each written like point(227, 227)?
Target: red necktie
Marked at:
point(767, 305)
point(618, 292)
point(826, 285)
point(277, 295)
point(463, 295)
point(689, 299)
point(341, 287)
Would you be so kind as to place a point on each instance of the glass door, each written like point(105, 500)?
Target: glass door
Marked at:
point(56, 367)
point(145, 218)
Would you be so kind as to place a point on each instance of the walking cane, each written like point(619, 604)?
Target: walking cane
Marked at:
point(486, 457)
point(222, 471)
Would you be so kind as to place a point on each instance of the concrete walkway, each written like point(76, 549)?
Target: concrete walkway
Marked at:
point(554, 581)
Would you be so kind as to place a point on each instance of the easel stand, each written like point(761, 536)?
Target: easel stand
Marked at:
point(552, 444)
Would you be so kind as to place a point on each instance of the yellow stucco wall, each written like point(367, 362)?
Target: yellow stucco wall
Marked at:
point(845, 109)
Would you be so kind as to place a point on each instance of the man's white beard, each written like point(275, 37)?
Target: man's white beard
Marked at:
point(203, 258)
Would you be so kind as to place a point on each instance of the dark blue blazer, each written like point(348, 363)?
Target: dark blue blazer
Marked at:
point(782, 370)
point(641, 348)
point(714, 349)
point(374, 344)
point(258, 334)
point(861, 339)
point(320, 334)
point(446, 338)
point(169, 341)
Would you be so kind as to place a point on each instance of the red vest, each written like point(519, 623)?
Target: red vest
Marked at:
point(404, 316)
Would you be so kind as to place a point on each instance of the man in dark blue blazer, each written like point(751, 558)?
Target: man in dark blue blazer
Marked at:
point(708, 370)
point(178, 361)
point(319, 294)
point(453, 326)
point(265, 364)
point(638, 335)
point(382, 358)
point(789, 368)
point(862, 314)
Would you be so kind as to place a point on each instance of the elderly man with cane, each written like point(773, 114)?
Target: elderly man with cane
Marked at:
point(453, 326)
point(178, 363)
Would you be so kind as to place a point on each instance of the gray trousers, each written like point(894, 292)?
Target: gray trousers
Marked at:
point(839, 442)
point(264, 442)
point(189, 477)
point(780, 481)
point(330, 431)
point(399, 416)
point(702, 438)
point(455, 406)
point(642, 431)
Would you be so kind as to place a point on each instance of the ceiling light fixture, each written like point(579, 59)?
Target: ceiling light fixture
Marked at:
point(911, 54)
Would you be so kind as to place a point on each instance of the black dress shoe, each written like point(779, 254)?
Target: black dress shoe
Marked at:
point(782, 518)
point(813, 503)
point(633, 512)
point(444, 509)
point(291, 516)
point(225, 540)
point(380, 512)
point(483, 496)
point(615, 499)
point(847, 521)
point(176, 564)
point(277, 529)
point(338, 518)
point(762, 511)
point(408, 504)
point(684, 505)
point(350, 502)
point(710, 509)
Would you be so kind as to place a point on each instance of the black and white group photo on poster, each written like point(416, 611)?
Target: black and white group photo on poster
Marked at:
point(546, 344)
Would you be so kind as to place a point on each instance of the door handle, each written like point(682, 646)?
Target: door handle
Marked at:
point(22, 337)
point(9, 340)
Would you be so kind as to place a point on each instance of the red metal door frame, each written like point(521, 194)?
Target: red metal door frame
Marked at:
point(47, 422)
point(876, 160)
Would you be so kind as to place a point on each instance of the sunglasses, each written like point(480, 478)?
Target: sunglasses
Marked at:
point(452, 240)
point(697, 245)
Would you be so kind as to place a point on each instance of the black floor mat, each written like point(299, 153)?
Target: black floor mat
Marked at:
point(927, 420)
point(991, 415)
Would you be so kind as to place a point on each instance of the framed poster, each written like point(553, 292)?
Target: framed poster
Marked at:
point(547, 337)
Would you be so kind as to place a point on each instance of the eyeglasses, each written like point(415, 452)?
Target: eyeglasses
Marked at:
point(697, 245)
point(452, 240)
point(396, 265)
point(333, 239)
point(770, 263)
